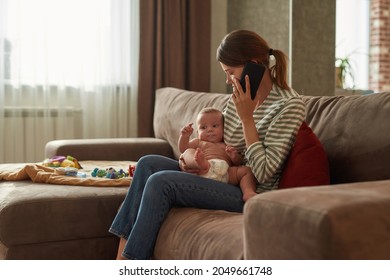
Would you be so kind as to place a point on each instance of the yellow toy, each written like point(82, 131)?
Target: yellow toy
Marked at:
point(61, 161)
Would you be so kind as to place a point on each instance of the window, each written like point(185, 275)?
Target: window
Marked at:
point(68, 69)
point(352, 38)
point(68, 42)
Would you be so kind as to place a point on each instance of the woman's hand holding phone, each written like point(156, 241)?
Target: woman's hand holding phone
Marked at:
point(255, 72)
point(242, 100)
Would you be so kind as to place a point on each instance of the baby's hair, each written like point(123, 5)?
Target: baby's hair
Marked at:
point(208, 110)
point(211, 110)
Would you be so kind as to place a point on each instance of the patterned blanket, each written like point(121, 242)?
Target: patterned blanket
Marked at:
point(41, 174)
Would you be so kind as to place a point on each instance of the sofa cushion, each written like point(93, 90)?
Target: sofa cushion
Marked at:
point(349, 222)
point(38, 213)
point(355, 133)
point(190, 233)
point(307, 164)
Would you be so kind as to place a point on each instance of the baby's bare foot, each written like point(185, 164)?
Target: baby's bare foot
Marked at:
point(201, 160)
point(248, 195)
point(199, 156)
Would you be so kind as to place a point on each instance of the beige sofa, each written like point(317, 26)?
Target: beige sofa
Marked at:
point(348, 219)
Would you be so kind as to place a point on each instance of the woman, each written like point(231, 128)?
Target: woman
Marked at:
point(262, 129)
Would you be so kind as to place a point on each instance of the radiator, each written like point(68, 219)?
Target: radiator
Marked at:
point(29, 129)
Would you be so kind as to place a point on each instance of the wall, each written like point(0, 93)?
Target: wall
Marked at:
point(304, 29)
point(218, 31)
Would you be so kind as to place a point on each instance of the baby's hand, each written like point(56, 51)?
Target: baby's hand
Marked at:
point(230, 150)
point(187, 130)
point(233, 154)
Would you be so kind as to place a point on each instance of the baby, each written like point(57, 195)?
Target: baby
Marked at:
point(211, 156)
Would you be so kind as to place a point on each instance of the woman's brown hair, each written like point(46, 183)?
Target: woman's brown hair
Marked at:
point(240, 46)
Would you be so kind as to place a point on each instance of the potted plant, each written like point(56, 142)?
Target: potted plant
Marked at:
point(343, 70)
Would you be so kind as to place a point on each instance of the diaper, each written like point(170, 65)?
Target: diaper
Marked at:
point(218, 170)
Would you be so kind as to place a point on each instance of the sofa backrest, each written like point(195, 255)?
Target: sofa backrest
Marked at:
point(355, 130)
point(175, 108)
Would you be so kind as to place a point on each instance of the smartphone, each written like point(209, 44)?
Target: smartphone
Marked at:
point(255, 73)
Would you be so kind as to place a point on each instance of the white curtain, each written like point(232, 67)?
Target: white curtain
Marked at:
point(68, 69)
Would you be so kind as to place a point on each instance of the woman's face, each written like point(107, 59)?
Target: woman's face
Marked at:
point(232, 72)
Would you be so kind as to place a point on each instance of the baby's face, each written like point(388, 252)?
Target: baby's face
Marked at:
point(210, 127)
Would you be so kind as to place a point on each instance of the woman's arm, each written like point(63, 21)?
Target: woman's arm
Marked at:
point(268, 133)
point(268, 156)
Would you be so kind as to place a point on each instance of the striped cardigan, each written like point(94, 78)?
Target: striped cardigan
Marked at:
point(277, 121)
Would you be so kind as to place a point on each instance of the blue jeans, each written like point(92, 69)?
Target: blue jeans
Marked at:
point(157, 186)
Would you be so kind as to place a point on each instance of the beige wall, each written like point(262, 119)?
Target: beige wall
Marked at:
point(304, 29)
point(218, 31)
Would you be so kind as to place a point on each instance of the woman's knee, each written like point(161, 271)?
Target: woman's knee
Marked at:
point(159, 189)
point(158, 180)
point(146, 160)
point(165, 182)
point(156, 163)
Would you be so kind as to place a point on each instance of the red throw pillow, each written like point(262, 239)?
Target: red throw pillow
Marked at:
point(307, 164)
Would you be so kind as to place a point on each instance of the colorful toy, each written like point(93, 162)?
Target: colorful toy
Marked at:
point(61, 161)
point(131, 170)
point(109, 173)
point(98, 172)
point(54, 161)
point(70, 171)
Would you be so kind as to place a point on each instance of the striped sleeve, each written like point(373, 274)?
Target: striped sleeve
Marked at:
point(266, 157)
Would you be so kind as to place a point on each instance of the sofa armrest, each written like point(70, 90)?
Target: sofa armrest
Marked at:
point(108, 148)
point(349, 221)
